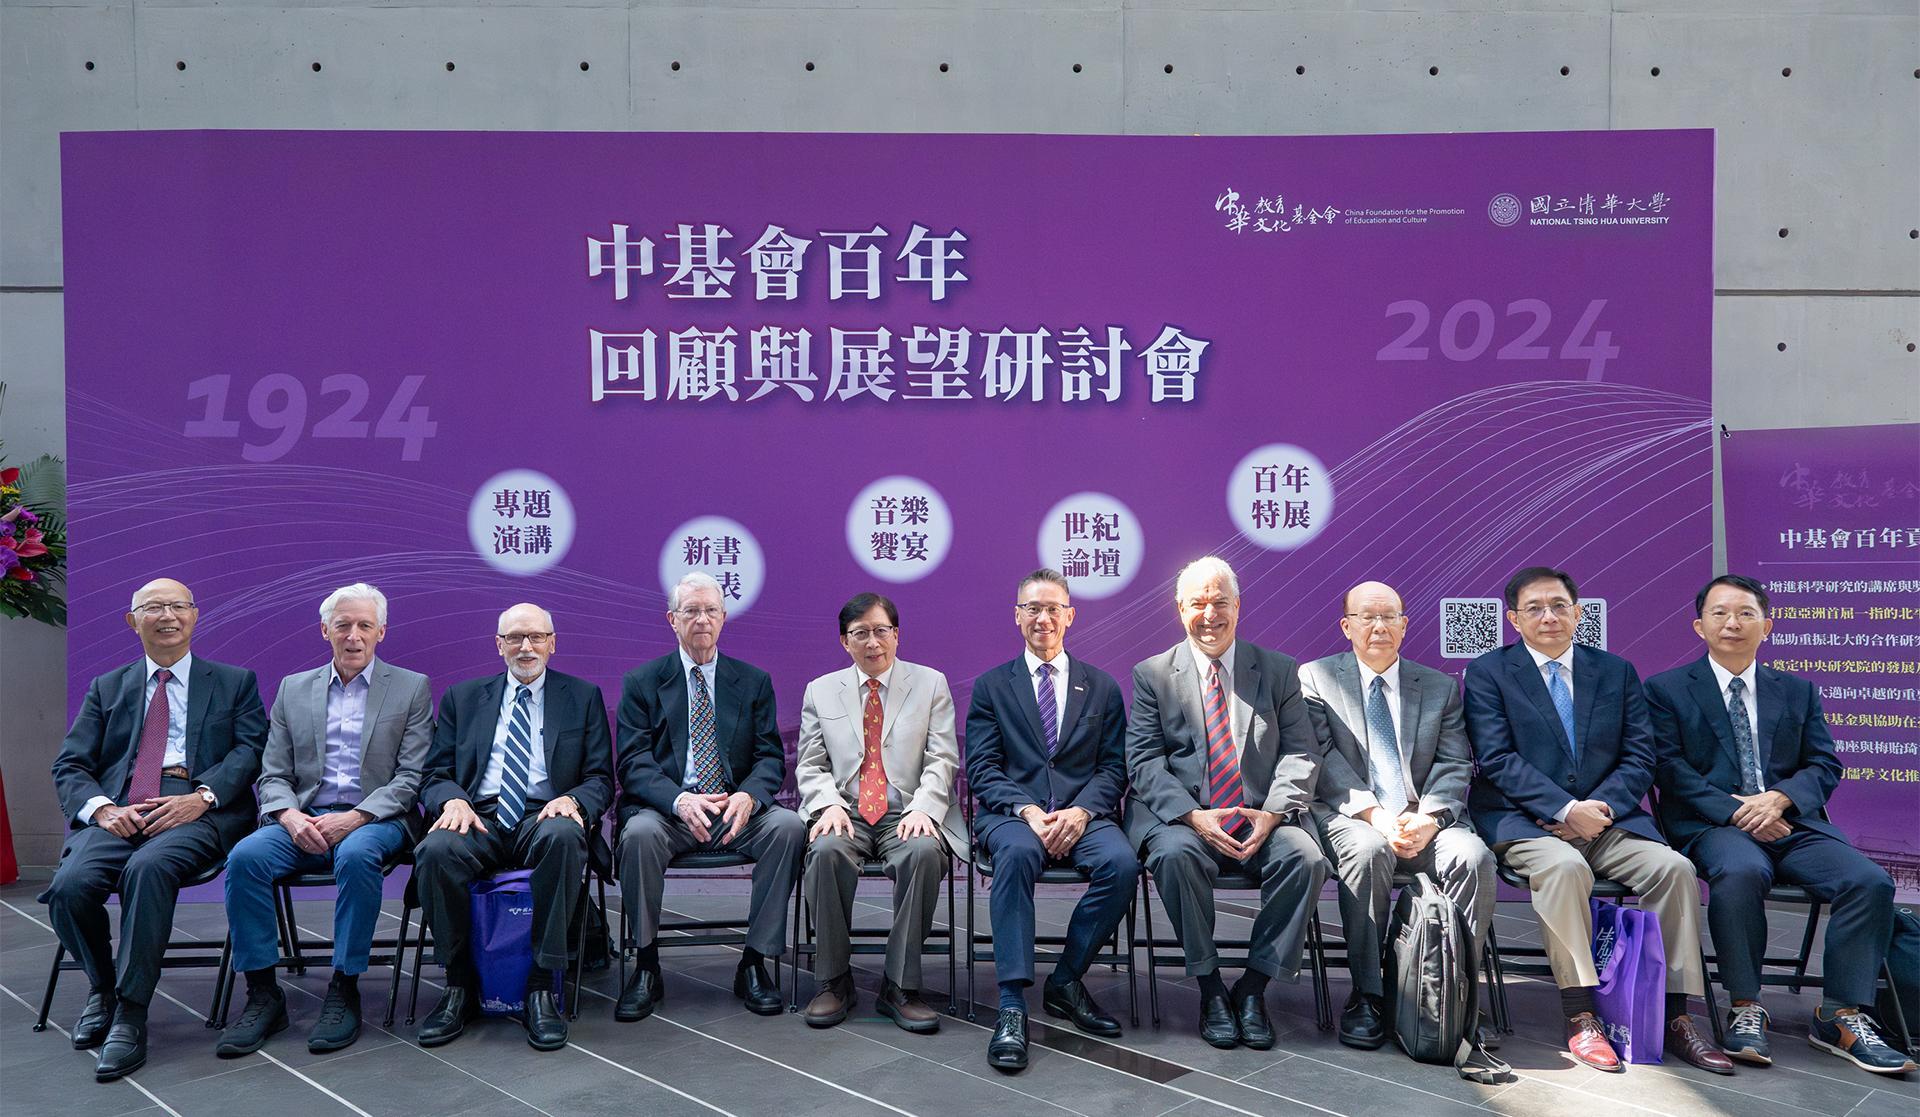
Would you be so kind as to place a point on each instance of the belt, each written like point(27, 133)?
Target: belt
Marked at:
point(176, 772)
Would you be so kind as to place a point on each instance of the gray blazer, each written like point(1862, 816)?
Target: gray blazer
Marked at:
point(394, 741)
point(918, 745)
point(1433, 732)
point(1167, 738)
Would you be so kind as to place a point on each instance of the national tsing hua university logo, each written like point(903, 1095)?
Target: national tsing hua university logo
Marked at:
point(1503, 210)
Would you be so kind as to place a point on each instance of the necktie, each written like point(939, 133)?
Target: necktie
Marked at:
point(1743, 737)
point(873, 774)
point(709, 778)
point(1562, 703)
point(1223, 766)
point(512, 801)
point(1049, 721)
point(150, 755)
point(1389, 775)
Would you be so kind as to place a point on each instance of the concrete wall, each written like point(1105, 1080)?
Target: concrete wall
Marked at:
point(1817, 106)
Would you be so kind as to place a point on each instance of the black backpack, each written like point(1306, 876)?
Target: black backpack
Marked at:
point(1431, 1000)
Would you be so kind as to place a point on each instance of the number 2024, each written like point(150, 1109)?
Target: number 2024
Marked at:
point(277, 406)
point(1475, 320)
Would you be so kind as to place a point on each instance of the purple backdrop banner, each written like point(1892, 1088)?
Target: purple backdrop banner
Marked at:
point(1829, 520)
point(481, 368)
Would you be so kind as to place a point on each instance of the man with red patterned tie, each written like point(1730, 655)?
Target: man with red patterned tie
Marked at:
point(1223, 759)
point(156, 777)
point(876, 768)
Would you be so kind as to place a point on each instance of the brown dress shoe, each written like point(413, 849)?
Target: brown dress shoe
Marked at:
point(905, 1008)
point(1685, 1042)
point(1587, 1040)
point(832, 1003)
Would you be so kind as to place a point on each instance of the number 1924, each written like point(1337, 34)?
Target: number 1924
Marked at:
point(277, 408)
point(1467, 330)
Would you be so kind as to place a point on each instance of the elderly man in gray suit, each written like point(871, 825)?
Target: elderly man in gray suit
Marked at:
point(1222, 759)
point(346, 750)
point(1393, 791)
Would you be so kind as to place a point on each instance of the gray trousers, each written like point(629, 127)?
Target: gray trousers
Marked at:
point(1290, 870)
point(915, 866)
point(773, 836)
point(1364, 864)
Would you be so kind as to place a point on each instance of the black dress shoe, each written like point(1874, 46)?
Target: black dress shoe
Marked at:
point(264, 1015)
point(339, 1023)
point(449, 1018)
point(1216, 1022)
point(124, 1051)
point(91, 1029)
point(546, 1024)
point(752, 985)
point(1363, 1023)
point(1072, 1002)
point(1250, 1014)
point(644, 992)
point(1007, 1050)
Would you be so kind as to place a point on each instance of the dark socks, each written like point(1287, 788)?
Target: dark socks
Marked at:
point(1211, 985)
point(648, 957)
point(131, 1011)
point(1576, 999)
point(349, 982)
point(261, 981)
point(1676, 1006)
point(1253, 983)
point(749, 956)
point(1013, 995)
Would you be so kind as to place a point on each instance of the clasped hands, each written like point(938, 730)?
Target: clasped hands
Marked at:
point(1210, 823)
point(150, 816)
point(1763, 816)
point(1059, 830)
point(1407, 834)
point(320, 833)
point(698, 810)
point(1585, 820)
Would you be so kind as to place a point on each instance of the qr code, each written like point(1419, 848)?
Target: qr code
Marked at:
point(1469, 626)
point(1592, 630)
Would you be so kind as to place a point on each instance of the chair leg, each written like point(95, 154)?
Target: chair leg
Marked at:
point(399, 962)
point(1902, 1029)
point(223, 986)
point(53, 979)
point(1806, 947)
point(1153, 952)
point(579, 959)
point(1133, 985)
point(953, 961)
point(1504, 1011)
point(799, 895)
point(1713, 1001)
point(972, 1013)
point(285, 899)
point(419, 960)
point(1316, 958)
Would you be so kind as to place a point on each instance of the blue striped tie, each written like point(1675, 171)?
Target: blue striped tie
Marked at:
point(1562, 703)
point(512, 801)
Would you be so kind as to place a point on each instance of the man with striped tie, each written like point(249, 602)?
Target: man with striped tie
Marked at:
point(1223, 760)
point(520, 774)
point(700, 763)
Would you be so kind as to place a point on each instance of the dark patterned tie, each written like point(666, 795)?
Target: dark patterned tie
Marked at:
point(512, 801)
point(1743, 737)
point(709, 778)
point(1562, 704)
point(1383, 750)
point(873, 770)
point(1049, 709)
point(1223, 765)
point(151, 754)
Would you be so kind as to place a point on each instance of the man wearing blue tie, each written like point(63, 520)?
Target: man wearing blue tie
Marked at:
point(1047, 757)
point(1566, 754)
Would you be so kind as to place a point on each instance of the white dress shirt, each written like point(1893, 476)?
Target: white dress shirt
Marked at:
point(538, 789)
point(1390, 693)
point(1565, 660)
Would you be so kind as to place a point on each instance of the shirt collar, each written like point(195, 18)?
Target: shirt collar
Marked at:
point(179, 669)
point(1201, 658)
point(1059, 662)
point(1368, 674)
point(514, 684)
point(1541, 659)
point(687, 664)
point(333, 674)
point(1725, 676)
point(886, 677)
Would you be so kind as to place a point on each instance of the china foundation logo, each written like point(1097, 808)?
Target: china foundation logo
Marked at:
point(1504, 210)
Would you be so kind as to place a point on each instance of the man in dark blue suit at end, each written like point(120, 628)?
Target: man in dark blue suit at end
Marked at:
point(1746, 764)
point(1047, 758)
point(1566, 753)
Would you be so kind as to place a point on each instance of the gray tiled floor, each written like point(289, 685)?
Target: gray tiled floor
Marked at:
point(703, 1054)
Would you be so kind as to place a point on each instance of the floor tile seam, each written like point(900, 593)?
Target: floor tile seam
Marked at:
point(776, 1062)
point(64, 1034)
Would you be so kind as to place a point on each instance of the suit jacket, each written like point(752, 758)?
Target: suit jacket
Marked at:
point(1167, 737)
point(394, 741)
point(1433, 736)
point(574, 737)
point(1698, 768)
point(917, 745)
point(1527, 772)
point(1007, 762)
point(226, 728)
point(653, 732)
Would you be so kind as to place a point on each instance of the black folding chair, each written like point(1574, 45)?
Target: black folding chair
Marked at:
point(1233, 951)
point(696, 932)
point(873, 940)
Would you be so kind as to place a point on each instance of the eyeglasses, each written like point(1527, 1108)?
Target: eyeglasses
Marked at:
point(1721, 616)
point(880, 632)
point(1371, 619)
point(1561, 609)
point(159, 608)
point(697, 612)
point(1034, 610)
point(515, 639)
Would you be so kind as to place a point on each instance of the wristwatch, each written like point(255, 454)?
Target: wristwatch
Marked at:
point(206, 793)
point(1443, 817)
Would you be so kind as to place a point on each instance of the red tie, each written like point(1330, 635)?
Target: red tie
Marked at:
point(1223, 766)
point(873, 774)
point(151, 753)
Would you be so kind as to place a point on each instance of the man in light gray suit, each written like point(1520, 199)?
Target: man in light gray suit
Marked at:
point(346, 749)
point(1393, 791)
point(1222, 759)
point(877, 762)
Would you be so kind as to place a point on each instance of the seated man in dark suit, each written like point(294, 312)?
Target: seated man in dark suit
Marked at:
point(1047, 756)
point(1746, 764)
point(1223, 758)
point(700, 763)
point(1566, 754)
point(157, 776)
point(521, 773)
point(346, 749)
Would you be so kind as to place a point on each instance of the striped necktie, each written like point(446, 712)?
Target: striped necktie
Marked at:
point(1223, 764)
point(512, 802)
